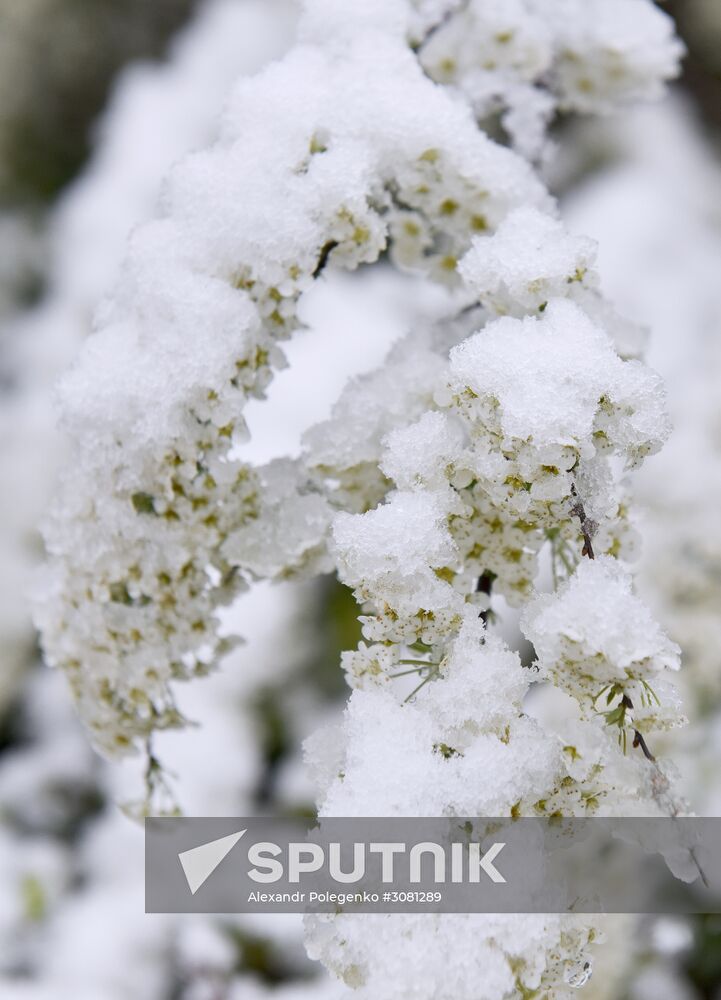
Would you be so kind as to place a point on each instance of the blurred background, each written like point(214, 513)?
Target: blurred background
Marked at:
point(98, 98)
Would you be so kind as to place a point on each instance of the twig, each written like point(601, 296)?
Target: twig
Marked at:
point(325, 253)
point(484, 586)
point(638, 740)
point(702, 873)
point(435, 28)
point(588, 526)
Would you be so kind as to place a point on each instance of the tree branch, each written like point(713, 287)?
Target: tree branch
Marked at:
point(588, 525)
point(325, 253)
point(485, 586)
point(435, 28)
point(638, 740)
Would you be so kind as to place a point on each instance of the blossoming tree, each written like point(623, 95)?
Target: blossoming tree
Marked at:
point(484, 466)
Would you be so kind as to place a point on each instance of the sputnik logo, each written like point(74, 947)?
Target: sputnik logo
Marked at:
point(303, 858)
point(199, 863)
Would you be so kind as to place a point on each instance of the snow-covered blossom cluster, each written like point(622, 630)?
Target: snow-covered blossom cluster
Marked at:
point(616, 635)
point(669, 202)
point(145, 523)
point(492, 446)
point(513, 965)
point(525, 59)
point(534, 419)
point(178, 102)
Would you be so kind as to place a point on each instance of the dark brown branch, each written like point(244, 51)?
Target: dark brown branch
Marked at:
point(435, 28)
point(638, 740)
point(325, 253)
point(485, 586)
point(588, 526)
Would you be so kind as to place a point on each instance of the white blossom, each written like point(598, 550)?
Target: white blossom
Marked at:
point(436, 486)
point(154, 404)
point(596, 640)
point(529, 260)
point(526, 58)
point(396, 955)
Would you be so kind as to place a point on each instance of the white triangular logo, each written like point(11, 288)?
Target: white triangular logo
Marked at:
point(199, 863)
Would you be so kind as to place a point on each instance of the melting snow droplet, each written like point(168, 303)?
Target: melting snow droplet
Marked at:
point(578, 974)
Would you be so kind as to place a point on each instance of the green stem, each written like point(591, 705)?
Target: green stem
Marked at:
point(415, 690)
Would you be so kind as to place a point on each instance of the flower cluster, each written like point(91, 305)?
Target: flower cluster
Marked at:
point(598, 642)
point(158, 522)
point(526, 58)
point(343, 453)
point(550, 958)
point(446, 478)
point(530, 259)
